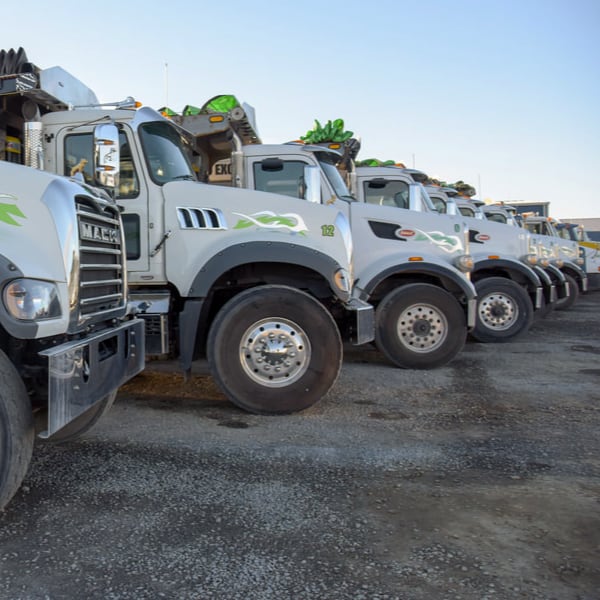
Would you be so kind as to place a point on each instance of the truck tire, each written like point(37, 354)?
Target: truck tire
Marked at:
point(564, 303)
point(420, 326)
point(504, 310)
point(274, 349)
point(16, 430)
point(85, 421)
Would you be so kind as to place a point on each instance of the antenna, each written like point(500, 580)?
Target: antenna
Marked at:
point(166, 84)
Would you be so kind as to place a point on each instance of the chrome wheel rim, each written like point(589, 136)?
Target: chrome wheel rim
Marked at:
point(275, 352)
point(422, 328)
point(498, 311)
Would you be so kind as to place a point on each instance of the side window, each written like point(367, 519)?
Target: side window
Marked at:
point(131, 225)
point(129, 185)
point(439, 204)
point(78, 159)
point(287, 178)
point(387, 193)
point(497, 218)
point(78, 156)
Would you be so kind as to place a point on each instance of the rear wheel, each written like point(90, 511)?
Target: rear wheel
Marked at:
point(504, 310)
point(420, 326)
point(16, 430)
point(568, 301)
point(274, 349)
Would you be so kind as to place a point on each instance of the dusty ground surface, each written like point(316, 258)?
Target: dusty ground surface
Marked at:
point(477, 480)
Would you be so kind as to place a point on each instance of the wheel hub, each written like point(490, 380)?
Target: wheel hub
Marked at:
point(498, 311)
point(422, 328)
point(275, 352)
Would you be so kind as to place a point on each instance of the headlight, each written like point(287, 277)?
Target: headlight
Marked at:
point(464, 263)
point(559, 263)
point(531, 259)
point(544, 262)
point(31, 299)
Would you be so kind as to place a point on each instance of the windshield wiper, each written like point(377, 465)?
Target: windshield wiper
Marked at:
point(186, 177)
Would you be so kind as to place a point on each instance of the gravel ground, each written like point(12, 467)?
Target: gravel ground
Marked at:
point(477, 480)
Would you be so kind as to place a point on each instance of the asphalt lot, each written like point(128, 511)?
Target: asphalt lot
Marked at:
point(477, 480)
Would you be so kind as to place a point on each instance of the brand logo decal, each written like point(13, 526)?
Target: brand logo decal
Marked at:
point(482, 237)
point(98, 233)
point(405, 233)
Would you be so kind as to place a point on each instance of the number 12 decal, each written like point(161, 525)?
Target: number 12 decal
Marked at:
point(328, 230)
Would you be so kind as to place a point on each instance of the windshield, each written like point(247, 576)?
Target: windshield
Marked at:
point(333, 175)
point(164, 153)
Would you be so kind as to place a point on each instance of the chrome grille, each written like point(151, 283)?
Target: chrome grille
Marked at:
point(102, 278)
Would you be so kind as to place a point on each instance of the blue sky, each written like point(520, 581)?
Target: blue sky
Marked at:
point(504, 95)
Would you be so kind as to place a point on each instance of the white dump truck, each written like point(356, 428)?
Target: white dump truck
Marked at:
point(589, 251)
point(260, 285)
point(412, 267)
point(67, 341)
point(546, 248)
point(570, 256)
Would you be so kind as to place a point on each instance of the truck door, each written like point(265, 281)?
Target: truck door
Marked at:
point(75, 150)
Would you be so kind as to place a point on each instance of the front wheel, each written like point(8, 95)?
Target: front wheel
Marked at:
point(274, 350)
point(568, 301)
point(16, 430)
point(420, 326)
point(504, 310)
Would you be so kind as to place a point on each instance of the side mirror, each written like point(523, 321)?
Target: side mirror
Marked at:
point(106, 155)
point(415, 202)
point(271, 164)
point(312, 184)
point(379, 183)
point(451, 208)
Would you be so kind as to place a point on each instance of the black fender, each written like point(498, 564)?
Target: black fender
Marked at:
point(532, 279)
point(515, 266)
point(547, 283)
point(558, 274)
point(577, 272)
point(239, 255)
point(545, 279)
point(264, 252)
point(420, 268)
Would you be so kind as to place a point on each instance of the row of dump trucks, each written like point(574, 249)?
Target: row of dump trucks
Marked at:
point(128, 236)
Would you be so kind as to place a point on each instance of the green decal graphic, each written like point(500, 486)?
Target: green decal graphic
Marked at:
point(448, 243)
point(8, 211)
point(327, 230)
point(270, 220)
